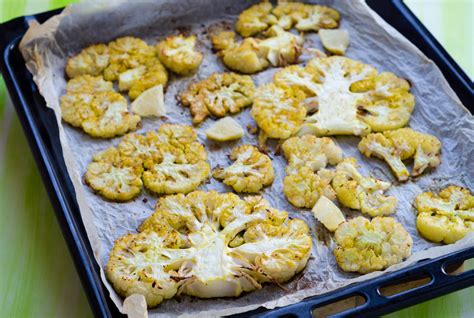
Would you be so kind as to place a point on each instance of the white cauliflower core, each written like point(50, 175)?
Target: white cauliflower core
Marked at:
point(251, 171)
point(365, 246)
point(362, 193)
point(207, 244)
point(446, 217)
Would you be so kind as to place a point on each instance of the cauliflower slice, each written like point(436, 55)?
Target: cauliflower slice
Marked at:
point(143, 77)
point(401, 144)
point(218, 95)
point(289, 13)
point(255, 19)
point(365, 246)
point(303, 187)
point(446, 217)
point(127, 53)
point(90, 61)
point(178, 54)
point(251, 171)
point(88, 84)
point(347, 97)
point(186, 246)
point(225, 129)
point(335, 41)
point(101, 115)
point(362, 193)
point(312, 152)
point(281, 48)
point(223, 40)
point(326, 212)
point(318, 17)
point(277, 112)
point(114, 177)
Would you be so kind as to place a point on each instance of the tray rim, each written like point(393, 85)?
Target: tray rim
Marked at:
point(79, 246)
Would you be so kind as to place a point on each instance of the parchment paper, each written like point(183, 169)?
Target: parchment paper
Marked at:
point(438, 111)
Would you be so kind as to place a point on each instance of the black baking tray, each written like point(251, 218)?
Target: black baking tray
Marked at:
point(40, 127)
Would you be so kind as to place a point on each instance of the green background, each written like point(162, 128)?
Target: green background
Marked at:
point(38, 278)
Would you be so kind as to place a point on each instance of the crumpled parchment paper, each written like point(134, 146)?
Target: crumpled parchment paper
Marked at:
point(438, 111)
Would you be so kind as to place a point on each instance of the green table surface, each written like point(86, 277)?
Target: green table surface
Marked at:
point(38, 278)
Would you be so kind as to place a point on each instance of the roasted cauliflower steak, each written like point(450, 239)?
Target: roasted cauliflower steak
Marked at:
point(167, 161)
point(207, 244)
point(401, 144)
point(178, 53)
point(250, 172)
point(306, 179)
point(365, 246)
point(255, 19)
point(90, 61)
point(218, 95)
point(446, 217)
point(362, 193)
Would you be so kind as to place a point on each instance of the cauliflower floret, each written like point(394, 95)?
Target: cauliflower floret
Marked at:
point(139, 147)
point(178, 54)
point(218, 95)
point(114, 177)
point(223, 40)
point(281, 47)
point(277, 112)
point(303, 187)
point(139, 79)
point(401, 144)
point(289, 13)
point(312, 152)
point(207, 244)
point(348, 97)
point(365, 246)
point(446, 217)
point(127, 53)
point(90, 61)
point(88, 84)
point(306, 17)
point(251, 171)
point(362, 193)
point(255, 19)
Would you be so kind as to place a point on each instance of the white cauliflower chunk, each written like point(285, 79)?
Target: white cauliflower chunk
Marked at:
point(178, 53)
point(207, 244)
point(326, 212)
point(362, 193)
point(281, 48)
point(251, 171)
point(402, 144)
point(90, 61)
point(446, 217)
point(365, 246)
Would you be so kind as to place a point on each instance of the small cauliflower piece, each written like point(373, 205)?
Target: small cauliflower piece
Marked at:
point(207, 244)
point(225, 129)
point(150, 103)
point(127, 53)
point(88, 84)
point(365, 246)
point(312, 152)
point(154, 74)
point(251, 171)
point(446, 217)
point(281, 48)
point(326, 212)
point(318, 17)
point(255, 19)
point(223, 40)
point(277, 111)
point(303, 187)
point(90, 61)
point(362, 193)
point(114, 177)
point(335, 41)
point(178, 53)
point(401, 144)
point(289, 13)
point(218, 95)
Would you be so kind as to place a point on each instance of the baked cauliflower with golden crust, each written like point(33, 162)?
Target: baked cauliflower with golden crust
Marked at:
point(90, 61)
point(362, 193)
point(208, 244)
point(347, 97)
point(306, 17)
point(250, 172)
point(446, 217)
point(91, 104)
point(277, 111)
point(402, 144)
point(365, 246)
point(114, 177)
point(281, 48)
point(178, 53)
point(255, 19)
point(127, 53)
point(218, 95)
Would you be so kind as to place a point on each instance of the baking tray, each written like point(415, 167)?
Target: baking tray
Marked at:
point(41, 130)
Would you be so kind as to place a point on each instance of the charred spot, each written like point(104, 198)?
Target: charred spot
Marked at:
point(361, 110)
point(145, 200)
